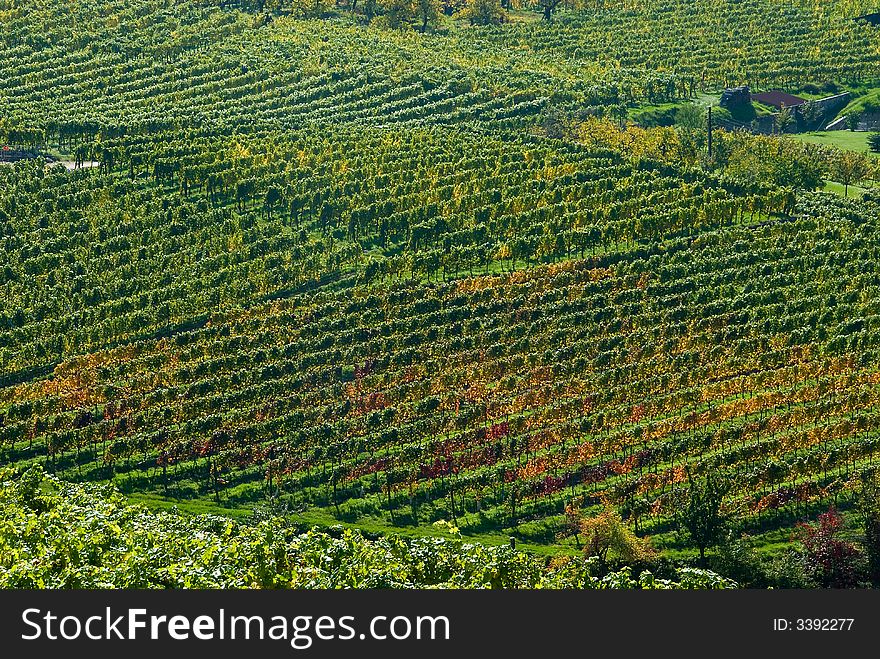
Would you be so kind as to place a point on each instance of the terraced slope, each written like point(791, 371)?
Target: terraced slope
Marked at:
point(173, 231)
point(748, 350)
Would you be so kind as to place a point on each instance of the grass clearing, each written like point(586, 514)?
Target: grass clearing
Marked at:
point(865, 101)
point(842, 139)
point(839, 189)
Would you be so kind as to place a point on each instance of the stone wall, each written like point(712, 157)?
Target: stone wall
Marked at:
point(870, 121)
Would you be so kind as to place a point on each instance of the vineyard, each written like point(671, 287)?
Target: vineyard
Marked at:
point(178, 230)
point(348, 268)
point(492, 400)
point(96, 68)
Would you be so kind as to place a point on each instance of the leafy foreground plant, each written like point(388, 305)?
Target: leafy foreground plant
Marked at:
point(55, 534)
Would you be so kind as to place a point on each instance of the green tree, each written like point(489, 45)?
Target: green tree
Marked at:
point(850, 168)
point(737, 559)
point(606, 533)
point(548, 7)
point(874, 142)
point(398, 12)
point(370, 9)
point(812, 114)
point(427, 13)
point(852, 120)
point(309, 8)
point(784, 119)
point(484, 12)
point(690, 116)
point(760, 159)
point(702, 516)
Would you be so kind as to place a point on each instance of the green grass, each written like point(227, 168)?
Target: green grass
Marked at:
point(864, 100)
point(854, 191)
point(842, 139)
point(370, 526)
point(709, 98)
point(660, 114)
point(814, 96)
point(189, 506)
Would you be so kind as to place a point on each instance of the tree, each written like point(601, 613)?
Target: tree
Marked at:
point(784, 119)
point(606, 533)
point(701, 516)
point(852, 120)
point(370, 8)
point(874, 142)
point(690, 116)
point(811, 114)
point(309, 8)
point(427, 13)
point(833, 562)
point(738, 560)
point(484, 12)
point(398, 12)
point(548, 7)
point(758, 159)
point(850, 168)
point(453, 7)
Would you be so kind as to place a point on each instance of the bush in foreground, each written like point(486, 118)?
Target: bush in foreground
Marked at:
point(55, 534)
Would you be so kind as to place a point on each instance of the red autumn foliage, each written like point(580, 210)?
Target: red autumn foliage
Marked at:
point(833, 561)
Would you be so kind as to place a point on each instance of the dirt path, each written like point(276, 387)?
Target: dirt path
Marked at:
point(70, 165)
